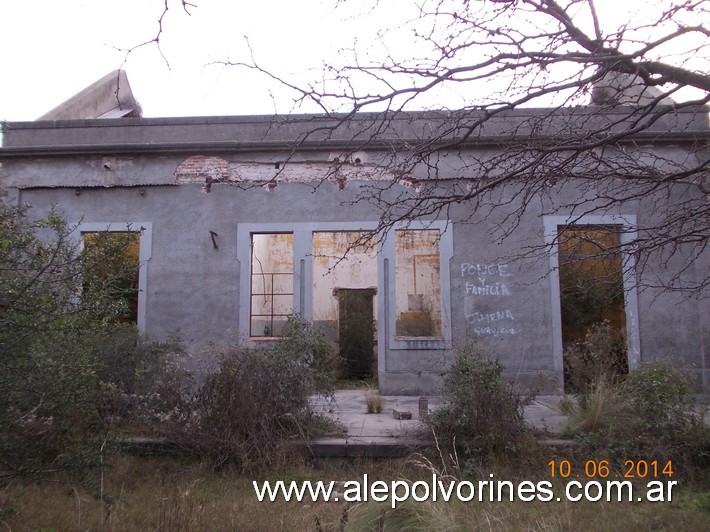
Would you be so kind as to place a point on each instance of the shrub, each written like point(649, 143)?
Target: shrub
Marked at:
point(259, 398)
point(665, 421)
point(146, 380)
point(482, 413)
point(49, 399)
point(64, 357)
point(310, 346)
point(49, 388)
point(600, 356)
point(653, 415)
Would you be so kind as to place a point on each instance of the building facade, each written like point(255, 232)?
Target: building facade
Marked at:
point(243, 221)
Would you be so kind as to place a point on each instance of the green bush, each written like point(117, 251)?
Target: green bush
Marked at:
point(665, 420)
point(66, 361)
point(483, 413)
point(651, 414)
point(50, 392)
point(259, 399)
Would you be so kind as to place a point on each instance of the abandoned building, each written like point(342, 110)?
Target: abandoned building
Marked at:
point(240, 222)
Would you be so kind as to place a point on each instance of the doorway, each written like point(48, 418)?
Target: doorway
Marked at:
point(356, 332)
point(592, 303)
point(344, 297)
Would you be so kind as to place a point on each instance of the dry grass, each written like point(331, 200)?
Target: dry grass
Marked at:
point(157, 494)
point(605, 403)
point(167, 494)
point(375, 402)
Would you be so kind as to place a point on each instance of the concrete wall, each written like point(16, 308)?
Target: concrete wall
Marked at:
point(496, 292)
point(501, 304)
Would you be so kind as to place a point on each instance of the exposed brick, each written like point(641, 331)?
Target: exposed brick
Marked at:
point(200, 168)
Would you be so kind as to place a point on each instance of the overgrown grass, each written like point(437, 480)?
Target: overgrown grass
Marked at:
point(168, 494)
point(652, 414)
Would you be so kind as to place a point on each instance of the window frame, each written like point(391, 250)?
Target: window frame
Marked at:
point(145, 251)
point(251, 284)
point(445, 255)
point(303, 275)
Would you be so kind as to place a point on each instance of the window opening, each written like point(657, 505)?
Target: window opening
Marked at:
point(344, 292)
point(417, 283)
point(112, 259)
point(271, 283)
point(591, 294)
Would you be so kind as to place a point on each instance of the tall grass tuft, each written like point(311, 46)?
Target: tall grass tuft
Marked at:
point(605, 403)
point(375, 402)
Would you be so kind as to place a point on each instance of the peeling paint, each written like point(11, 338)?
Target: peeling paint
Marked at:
point(202, 168)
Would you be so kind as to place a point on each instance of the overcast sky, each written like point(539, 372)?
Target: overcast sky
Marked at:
point(52, 49)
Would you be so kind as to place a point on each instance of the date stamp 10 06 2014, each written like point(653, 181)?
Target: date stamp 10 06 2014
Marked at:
point(596, 469)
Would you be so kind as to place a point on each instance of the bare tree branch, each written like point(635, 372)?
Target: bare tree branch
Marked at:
point(611, 101)
point(159, 33)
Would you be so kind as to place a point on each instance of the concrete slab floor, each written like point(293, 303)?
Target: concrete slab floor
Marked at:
point(349, 407)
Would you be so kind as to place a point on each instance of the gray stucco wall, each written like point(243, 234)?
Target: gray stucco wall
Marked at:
point(193, 289)
point(498, 295)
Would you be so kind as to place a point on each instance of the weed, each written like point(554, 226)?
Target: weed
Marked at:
point(604, 403)
point(650, 414)
point(408, 515)
point(375, 402)
point(600, 356)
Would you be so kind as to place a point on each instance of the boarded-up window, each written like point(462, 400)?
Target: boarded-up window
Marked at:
point(417, 283)
point(271, 283)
